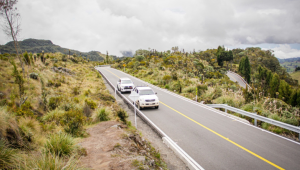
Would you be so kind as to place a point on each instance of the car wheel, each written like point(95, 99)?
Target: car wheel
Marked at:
point(156, 107)
point(139, 107)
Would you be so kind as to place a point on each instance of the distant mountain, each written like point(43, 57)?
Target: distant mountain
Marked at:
point(37, 46)
point(289, 59)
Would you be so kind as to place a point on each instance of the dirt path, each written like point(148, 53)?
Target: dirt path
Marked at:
point(110, 148)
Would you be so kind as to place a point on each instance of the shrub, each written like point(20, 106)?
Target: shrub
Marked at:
point(101, 115)
point(25, 110)
point(87, 111)
point(34, 76)
point(189, 89)
point(76, 100)
point(50, 83)
point(167, 86)
point(73, 121)
point(57, 84)
point(60, 144)
point(76, 90)
point(7, 156)
point(54, 102)
point(106, 97)
point(90, 103)
point(167, 77)
point(122, 115)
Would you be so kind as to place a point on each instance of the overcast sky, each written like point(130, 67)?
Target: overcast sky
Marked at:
point(122, 25)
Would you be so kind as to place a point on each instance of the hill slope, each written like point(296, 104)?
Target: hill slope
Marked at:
point(37, 46)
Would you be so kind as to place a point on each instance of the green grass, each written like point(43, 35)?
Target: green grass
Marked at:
point(7, 156)
point(101, 115)
point(60, 144)
point(48, 162)
point(296, 75)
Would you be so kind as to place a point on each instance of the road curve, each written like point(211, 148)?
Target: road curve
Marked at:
point(236, 78)
point(212, 139)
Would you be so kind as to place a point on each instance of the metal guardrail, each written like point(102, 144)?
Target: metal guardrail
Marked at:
point(190, 162)
point(241, 78)
point(257, 117)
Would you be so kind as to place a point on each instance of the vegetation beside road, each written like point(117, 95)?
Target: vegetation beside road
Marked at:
point(44, 113)
point(274, 93)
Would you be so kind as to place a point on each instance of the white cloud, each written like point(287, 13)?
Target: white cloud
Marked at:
point(285, 51)
point(117, 25)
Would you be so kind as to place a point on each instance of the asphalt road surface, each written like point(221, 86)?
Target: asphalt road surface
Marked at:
point(213, 140)
point(233, 77)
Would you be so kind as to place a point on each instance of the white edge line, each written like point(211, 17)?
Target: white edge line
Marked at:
point(211, 109)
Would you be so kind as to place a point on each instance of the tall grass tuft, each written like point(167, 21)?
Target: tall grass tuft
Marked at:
point(49, 161)
point(7, 156)
point(54, 115)
point(101, 115)
point(60, 144)
point(29, 128)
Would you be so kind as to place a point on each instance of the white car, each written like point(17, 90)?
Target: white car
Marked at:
point(125, 85)
point(146, 97)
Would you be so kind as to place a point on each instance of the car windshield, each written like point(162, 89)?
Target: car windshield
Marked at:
point(126, 82)
point(146, 92)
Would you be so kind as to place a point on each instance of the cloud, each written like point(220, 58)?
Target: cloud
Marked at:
point(285, 51)
point(118, 25)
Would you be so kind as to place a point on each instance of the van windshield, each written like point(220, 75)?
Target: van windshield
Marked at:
point(146, 92)
point(126, 82)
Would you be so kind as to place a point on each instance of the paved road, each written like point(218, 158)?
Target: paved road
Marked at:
point(214, 140)
point(235, 78)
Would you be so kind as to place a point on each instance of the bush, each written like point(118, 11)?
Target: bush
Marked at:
point(167, 86)
point(25, 110)
point(76, 90)
point(54, 102)
point(73, 121)
point(60, 144)
point(189, 89)
point(7, 156)
point(34, 76)
point(87, 111)
point(76, 100)
point(106, 97)
point(101, 115)
point(122, 115)
point(90, 103)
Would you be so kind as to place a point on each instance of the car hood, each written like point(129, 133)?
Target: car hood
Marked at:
point(149, 97)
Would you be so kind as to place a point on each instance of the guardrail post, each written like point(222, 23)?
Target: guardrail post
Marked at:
point(255, 120)
point(225, 110)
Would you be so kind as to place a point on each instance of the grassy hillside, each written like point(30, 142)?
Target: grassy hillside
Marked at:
point(296, 75)
point(44, 113)
point(290, 66)
point(37, 46)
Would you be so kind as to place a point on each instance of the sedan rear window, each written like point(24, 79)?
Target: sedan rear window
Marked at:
point(146, 92)
point(126, 82)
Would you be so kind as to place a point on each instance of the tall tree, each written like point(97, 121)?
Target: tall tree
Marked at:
point(274, 85)
point(247, 70)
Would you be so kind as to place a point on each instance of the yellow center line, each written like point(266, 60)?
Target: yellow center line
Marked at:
point(247, 150)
